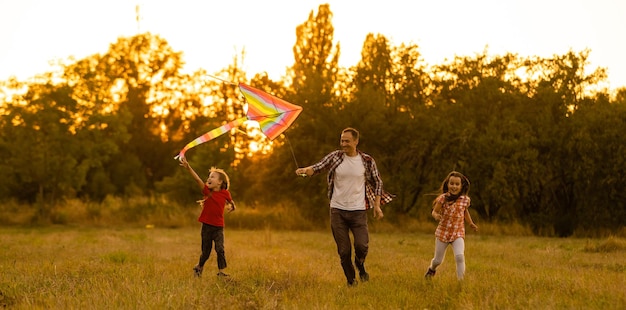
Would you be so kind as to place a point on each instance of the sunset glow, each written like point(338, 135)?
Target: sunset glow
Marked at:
point(210, 33)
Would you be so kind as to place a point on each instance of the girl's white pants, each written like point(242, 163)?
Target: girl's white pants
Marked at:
point(458, 247)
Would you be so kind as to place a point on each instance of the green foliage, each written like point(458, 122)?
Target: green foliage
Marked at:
point(539, 139)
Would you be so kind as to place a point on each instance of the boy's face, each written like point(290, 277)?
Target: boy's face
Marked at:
point(214, 181)
point(454, 185)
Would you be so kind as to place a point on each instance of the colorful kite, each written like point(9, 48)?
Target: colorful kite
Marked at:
point(273, 114)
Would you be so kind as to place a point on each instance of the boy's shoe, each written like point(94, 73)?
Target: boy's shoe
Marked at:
point(197, 270)
point(221, 274)
point(429, 273)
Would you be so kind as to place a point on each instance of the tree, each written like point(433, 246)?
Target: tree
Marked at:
point(595, 143)
point(313, 77)
point(138, 79)
point(39, 134)
point(561, 88)
point(389, 102)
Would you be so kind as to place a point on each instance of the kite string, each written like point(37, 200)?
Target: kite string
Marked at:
point(225, 81)
point(292, 153)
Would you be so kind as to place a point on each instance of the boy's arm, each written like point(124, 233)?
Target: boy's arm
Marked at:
point(232, 206)
point(184, 163)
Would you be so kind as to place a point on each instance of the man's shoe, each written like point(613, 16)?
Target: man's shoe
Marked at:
point(362, 273)
point(352, 283)
point(221, 274)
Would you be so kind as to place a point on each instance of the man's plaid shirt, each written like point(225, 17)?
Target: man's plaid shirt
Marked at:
point(373, 182)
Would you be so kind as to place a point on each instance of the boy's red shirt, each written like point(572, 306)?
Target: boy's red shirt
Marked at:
point(213, 206)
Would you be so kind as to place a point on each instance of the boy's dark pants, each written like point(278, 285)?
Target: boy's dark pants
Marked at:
point(209, 235)
point(341, 223)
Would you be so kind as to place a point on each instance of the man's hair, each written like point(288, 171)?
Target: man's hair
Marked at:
point(354, 132)
point(223, 177)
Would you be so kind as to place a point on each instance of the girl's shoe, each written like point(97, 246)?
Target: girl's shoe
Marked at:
point(429, 273)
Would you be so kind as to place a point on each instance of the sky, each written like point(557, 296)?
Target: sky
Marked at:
point(210, 33)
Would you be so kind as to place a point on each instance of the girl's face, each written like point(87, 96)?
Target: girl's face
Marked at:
point(214, 181)
point(454, 185)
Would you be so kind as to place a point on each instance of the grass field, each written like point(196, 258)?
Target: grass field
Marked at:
point(140, 268)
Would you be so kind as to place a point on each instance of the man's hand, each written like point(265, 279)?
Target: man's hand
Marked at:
point(303, 172)
point(378, 212)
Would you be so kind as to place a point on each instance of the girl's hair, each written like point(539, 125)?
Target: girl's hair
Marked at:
point(465, 183)
point(223, 177)
point(465, 186)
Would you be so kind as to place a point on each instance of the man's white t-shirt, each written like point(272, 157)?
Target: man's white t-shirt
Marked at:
point(349, 185)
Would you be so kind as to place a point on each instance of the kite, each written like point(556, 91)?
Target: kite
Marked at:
point(273, 114)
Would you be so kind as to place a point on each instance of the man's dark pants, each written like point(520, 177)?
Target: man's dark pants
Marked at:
point(341, 223)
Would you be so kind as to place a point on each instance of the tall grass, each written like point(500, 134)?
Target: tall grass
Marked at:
point(139, 268)
point(158, 211)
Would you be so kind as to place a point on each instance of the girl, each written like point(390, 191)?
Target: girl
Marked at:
point(451, 208)
point(216, 197)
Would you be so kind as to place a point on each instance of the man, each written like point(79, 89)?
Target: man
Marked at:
point(354, 186)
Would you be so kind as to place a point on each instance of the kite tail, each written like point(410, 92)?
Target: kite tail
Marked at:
point(210, 135)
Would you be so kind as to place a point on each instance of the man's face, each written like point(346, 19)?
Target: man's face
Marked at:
point(348, 143)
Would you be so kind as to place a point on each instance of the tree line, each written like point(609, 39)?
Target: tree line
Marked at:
point(541, 139)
